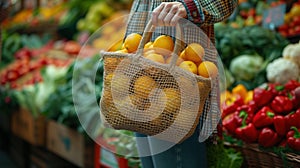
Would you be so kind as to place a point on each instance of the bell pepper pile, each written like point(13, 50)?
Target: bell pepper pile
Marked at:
point(268, 115)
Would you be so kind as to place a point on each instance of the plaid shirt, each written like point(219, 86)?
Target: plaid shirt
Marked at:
point(203, 13)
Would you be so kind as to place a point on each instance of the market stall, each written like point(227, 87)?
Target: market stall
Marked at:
point(48, 48)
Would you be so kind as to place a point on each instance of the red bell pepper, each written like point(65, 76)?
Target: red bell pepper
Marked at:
point(247, 132)
point(231, 104)
point(277, 89)
point(280, 125)
point(293, 119)
point(264, 117)
point(268, 137)
point(293, 138)
point(281, 104)
point(294, 95)
point(262, 96)
point(282, 143)
point(229, 123)
point(291, 85)
point(240, 114)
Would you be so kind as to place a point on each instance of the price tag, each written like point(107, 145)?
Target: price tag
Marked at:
point(274, 17)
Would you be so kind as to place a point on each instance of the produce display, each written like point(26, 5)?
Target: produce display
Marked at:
point(262, 66)
point(94, 17)
point(25, 70)
point(31, 17)
point(285, 68)
point(270, 118)
point(253, 12)
point(291, 26)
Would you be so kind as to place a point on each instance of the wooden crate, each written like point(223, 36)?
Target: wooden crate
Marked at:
point(40, 157)
point(18, 151)
point(256, 158)
point(5, 121)
point(69, 144)
point(29, 128)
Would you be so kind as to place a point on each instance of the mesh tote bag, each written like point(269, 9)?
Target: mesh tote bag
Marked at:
point(160, 100)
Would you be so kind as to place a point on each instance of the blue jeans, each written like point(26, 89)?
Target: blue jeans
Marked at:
point(188, 154)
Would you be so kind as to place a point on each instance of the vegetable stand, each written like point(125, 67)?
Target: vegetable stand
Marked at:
point(41, 41)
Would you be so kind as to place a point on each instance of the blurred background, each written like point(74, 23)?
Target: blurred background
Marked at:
point(41, 40)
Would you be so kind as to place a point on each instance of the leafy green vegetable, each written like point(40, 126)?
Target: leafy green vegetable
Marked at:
point(35, 97)
point(232, 42)
point(8, 100)
point(250, 40)
point(60, 105)
point(246, 67)
point(220, 156)
point(12, 42)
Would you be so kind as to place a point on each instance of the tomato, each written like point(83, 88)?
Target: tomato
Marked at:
point(12, 75)
point(23, 53)
point(291, 32)
point(23, 70)
point(251, 12)
point(72, 47)
point(283, 27)
point(296, 20)
point(3, 80)
point(297, 29)
point(284, 33)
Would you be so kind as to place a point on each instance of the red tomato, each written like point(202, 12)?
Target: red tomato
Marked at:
point(283, 27)
point(291, 32)
point(23, 70)
point(72, 47)
point(296, 20)
point(12, 75)
point(284, 33)
point(297, 30)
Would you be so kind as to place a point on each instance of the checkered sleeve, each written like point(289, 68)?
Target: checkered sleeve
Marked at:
point(194, 11)
point(208, 11)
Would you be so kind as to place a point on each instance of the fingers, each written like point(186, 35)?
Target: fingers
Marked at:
point(168, 14)
point(156, 12)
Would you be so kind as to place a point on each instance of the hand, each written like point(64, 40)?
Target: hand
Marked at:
point(168, 14)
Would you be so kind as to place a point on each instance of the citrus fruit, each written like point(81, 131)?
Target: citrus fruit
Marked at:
point(132, 42)
point(182, 55)
point(110, 63)
point(173, 99)
point(178, 62)
point(156, 58)
point(148, 45)
point(189, 66)
point(119, 84)
point(163, 44)
point(207, 69)
point(143, 86)
point(116, 46)
point(108, 79)
point(122, 51)
point(194, 52)
point(148, 51)
point(140, 103)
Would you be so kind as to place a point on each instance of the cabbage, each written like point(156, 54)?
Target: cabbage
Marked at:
point(246, 67)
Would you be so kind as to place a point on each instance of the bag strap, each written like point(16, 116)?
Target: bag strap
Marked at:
point(147, 35)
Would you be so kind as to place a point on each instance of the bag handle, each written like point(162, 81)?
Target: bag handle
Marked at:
point(147, 35)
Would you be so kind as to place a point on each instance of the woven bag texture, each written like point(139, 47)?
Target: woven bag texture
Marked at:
point(160, 100)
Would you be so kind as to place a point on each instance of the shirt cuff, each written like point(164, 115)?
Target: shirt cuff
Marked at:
point(194, 11)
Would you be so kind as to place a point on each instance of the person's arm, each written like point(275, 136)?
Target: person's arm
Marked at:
point(207, 12)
